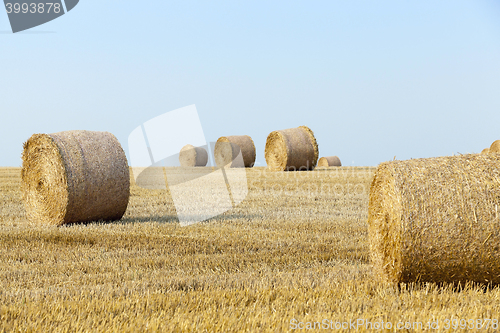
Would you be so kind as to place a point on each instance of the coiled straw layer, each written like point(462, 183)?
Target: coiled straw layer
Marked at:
point(436, 220)
point(74, 176)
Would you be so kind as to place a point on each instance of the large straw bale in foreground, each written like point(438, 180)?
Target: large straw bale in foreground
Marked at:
point(495, 147)
point(436, 220)
point(191, 156)
point(329, 161)
point(74, 176)
point(227, 149)
point(291, 149)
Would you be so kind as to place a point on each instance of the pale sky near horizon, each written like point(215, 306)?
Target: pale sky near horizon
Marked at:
point(372, 79)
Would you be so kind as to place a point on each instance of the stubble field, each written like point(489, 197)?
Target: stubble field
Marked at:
point(293, 253)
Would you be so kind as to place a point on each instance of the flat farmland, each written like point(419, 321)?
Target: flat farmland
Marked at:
point(294, 254)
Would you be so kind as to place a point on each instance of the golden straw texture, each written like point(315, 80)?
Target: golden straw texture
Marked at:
point(191, 156)
point(329, 161)
point(436, 220)
point(495, 147)
point(74, 176)
point(291, 149)
point(227, 149)
point(485, 151)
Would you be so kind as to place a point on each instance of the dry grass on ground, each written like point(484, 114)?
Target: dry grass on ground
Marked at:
point(296, 248)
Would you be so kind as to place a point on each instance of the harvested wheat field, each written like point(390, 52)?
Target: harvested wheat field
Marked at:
point(293, 254)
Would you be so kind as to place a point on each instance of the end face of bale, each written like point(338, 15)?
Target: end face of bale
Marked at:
point(384, 221)
point(75, 176)
point(293, 149)
point(228, 149)
point(276, 151)
point(323, 163)
point(329, 161)
point(44, 181)
point(191, 156)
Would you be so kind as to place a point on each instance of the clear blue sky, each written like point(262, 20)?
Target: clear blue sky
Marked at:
point(372, 79)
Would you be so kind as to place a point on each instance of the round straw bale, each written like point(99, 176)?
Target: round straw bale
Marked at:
point(495, 147)
point(291, 149)
point(191, 156)
point(227, 149)
point(485, 151)
point(436, 220)
point(329, 161)
point(74, 176)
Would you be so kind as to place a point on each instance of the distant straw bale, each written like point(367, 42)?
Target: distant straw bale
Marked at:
point(227, 149)
point(485, 151)
point(329, 161)
point(436, 220)
point(191, 156)
point(74, 176)
point(495, 147)
point(291, 149)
